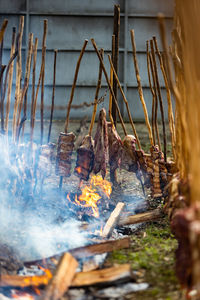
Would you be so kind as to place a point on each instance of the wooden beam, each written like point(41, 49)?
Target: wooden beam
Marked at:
point(100, 248)
point(108, 275)
point(143, 217)
point(113, 220)
point(62, 278)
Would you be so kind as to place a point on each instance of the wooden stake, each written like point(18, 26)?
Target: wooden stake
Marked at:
point(153, 93)
point(160, 100)
point(126, 102)
point(43, 76)
point(10, 79)
point(169, 100)
point(116, 30)
point(53, 95)
point(109, 85)
point(112, 221)
point(155, 112)
point(3, 29)
point(5, 84)
point(62, 279)
point(111, 82)
point(35, 100)
point(74, 84)
point(18, 76)
point(26, 80)
point(96, 95)
point(143, 217)
point(140, 87)
point(33, 85)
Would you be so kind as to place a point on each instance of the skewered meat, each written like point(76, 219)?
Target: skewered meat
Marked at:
point(46, 159)
point(64, 153)
point(130, 159)
point(85, 158)
point(115, 149)
point(153, 170)
point(101, 145)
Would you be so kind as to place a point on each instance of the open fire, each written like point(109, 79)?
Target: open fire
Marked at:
point(91, 194)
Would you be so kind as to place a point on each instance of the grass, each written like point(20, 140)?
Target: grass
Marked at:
point(152, 257)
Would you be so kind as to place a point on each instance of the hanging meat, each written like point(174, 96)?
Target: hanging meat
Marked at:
point(130, 160)
point(85, 158)
point(101, 155)
point(115, 150)
point(64, 154)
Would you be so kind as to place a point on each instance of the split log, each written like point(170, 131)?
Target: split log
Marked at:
point(143, 217)
point(24, 281)
point(100, 248)
point(62, 279)
point(108, 275)
point(113, 220)
point(104, 276)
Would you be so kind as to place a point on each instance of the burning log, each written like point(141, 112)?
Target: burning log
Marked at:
point(108, 275)
point(62, 279)
point(100, 248)
point(25, 281)
point(113, 220)
point(143, 217)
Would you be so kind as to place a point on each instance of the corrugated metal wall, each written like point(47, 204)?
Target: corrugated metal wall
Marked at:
point(72, 21)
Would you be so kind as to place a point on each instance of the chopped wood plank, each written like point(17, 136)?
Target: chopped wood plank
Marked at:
point(107, 275)
point(62, 278)
point(113, 220)
point(24, 281)
point(143, 217)
point(108, 246)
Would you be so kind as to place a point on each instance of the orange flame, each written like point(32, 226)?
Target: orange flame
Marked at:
point(78, 170)
point(90, 196)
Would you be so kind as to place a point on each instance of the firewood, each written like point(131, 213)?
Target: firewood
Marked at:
point(143, 217)
point(108, 275)
point(62, 279)
point(90, 265)
point(113, 219)
point(24, 281)
point(100, 248)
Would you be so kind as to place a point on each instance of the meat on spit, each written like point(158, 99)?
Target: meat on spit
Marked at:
point(115, 150)
point(101, 155)
point(64, 154)
point(85, 158)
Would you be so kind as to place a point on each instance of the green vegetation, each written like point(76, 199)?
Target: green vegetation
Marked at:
point(152, 257)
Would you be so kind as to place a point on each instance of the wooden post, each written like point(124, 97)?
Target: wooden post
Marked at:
point(10, 79)
point(116, 31)
point(53, 95)
point(43, 76)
